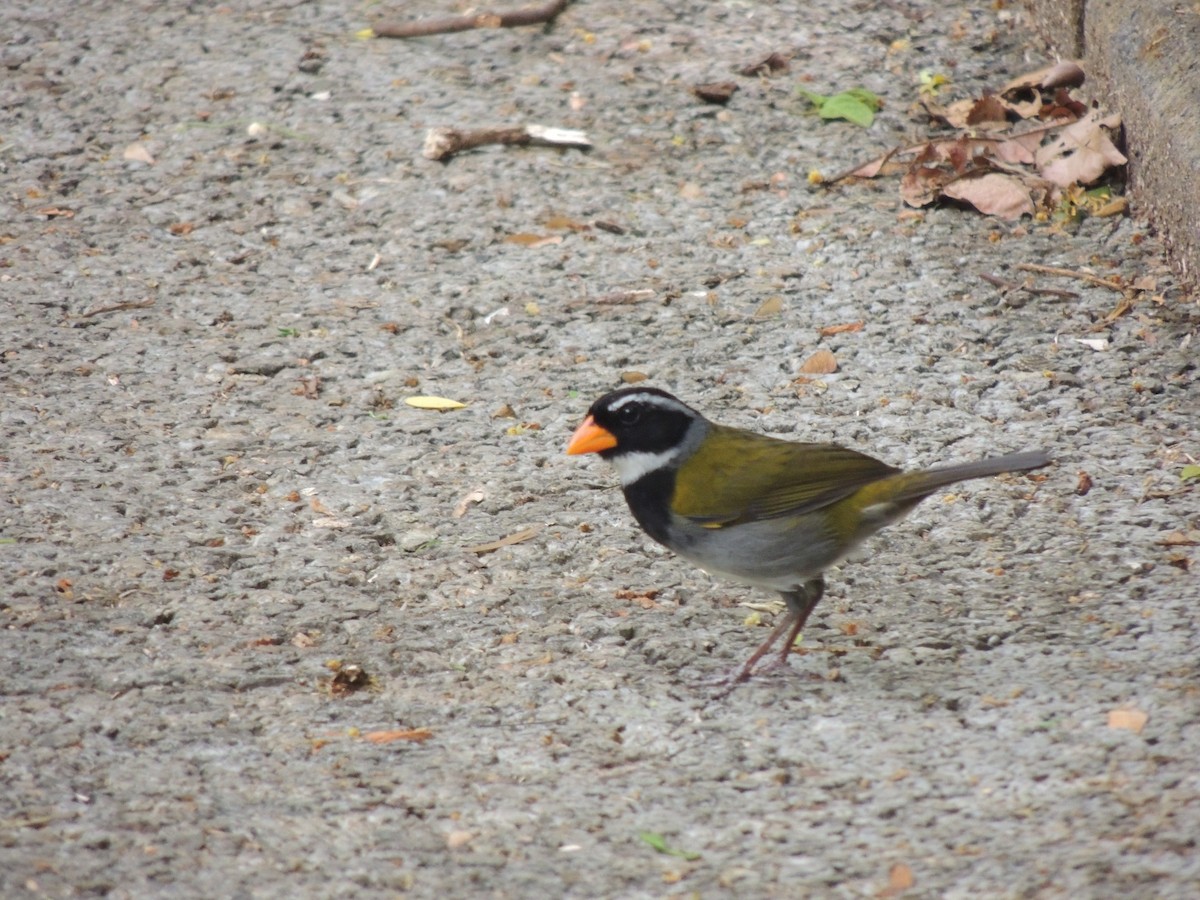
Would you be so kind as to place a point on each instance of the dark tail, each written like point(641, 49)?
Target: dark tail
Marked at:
point(921, 484)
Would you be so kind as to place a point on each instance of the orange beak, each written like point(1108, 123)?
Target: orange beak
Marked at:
point(590, 438)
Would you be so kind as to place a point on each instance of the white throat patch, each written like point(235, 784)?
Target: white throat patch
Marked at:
point(632, 466)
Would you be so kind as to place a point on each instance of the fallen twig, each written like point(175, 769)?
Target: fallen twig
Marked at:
point(119, 307)
point(442, 143)
point(529, 15)
point(1071, 273)
point(1029, 289)
point(882, 161)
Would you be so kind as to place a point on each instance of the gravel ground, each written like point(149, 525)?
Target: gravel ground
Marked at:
point(214, 494)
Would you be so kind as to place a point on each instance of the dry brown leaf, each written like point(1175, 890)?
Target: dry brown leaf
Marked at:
point(715, 91)
point(505, 412)
point(1113, 207)
point(841, 329)
point(875, 167)
point(988, 110)
point(772, 306)
point(996, 194)
point(456, 839)
point(1081, 153)
point(1019, 149)
point(1131, 719)
point(776, 62)
point(1181, 539)
point(563, 223)
point(955, 114)
point(1067, 73)
point(420, 735)
point(820, 363)
point(633, 377)
point(515, 538)
point(921, 185)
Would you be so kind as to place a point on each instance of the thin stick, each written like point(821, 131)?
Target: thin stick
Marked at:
point(120, 307)
point(529, 15)
point(1071, 273)
point(883, 161)
point(1013, 286)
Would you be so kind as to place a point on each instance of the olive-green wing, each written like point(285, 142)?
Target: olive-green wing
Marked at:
point(738, 476)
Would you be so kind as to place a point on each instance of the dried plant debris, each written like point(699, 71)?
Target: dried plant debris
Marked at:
point(718, 92)
point(539, 14)
point(1031, 149)
point(443, 143)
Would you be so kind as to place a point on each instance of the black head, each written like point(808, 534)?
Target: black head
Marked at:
point(632, 420)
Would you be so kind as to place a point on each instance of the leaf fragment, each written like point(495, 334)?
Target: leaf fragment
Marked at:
point(138, 152)
point(659, 843)
point(419, 735)
point(772, 306)
point(441, 404)
point(829, 330)
point(461, 507)
point(1129, 719)
point(823, 362)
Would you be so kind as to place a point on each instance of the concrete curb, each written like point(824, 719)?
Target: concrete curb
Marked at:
point(1144, 55)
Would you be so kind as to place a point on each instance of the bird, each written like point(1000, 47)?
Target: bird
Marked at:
point(755, 509)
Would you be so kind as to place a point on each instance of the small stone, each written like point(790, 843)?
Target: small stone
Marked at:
point(415, 539)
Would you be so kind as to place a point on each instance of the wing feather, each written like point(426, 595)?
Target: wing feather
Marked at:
point(737, 476)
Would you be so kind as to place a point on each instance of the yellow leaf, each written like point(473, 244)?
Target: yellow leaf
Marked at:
point(438, 403)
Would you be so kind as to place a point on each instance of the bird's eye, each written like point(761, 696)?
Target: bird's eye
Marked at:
point(628, 415)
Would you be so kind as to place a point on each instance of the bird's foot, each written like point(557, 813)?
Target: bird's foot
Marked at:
point(727, 683)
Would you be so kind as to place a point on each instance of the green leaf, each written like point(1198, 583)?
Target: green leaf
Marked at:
point(849, 107)
point(857, 105)
point(1189, 473)
point(659, 843)
point(867, 98)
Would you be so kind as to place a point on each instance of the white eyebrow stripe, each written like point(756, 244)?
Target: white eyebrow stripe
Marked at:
point(633, 466)
point(649, 400)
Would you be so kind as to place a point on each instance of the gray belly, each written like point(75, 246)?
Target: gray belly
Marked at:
point(777, 554)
